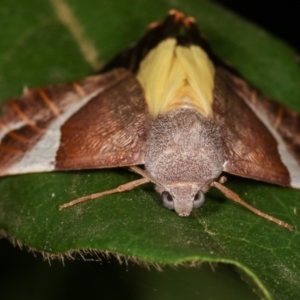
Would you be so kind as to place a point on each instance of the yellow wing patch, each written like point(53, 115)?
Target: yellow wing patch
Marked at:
point(175, 77)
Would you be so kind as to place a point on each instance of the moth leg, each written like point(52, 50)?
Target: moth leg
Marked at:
point(122, 188)
point(235, 197)
point(222, 179)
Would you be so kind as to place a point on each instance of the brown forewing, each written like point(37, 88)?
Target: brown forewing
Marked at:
point(109, 131)
point(26, 121)
point(252, 149)
point(285, 121)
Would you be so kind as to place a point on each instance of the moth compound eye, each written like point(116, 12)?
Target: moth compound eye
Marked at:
point(199, 199)
point(167, 200)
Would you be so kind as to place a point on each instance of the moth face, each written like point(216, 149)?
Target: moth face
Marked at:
point(182, 197)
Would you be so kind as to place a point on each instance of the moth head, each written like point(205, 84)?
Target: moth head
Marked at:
point(181, 197)
point(184, 154)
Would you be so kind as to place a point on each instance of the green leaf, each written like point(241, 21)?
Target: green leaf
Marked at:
point(38, 48)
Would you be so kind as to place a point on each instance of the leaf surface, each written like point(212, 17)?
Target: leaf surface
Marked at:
point(38, 48)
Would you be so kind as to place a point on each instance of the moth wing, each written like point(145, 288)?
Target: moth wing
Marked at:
point(98, 122)
point(260, 134)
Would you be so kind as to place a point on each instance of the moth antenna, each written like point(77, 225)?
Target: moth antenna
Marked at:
point(144, 174)
point(235, 197)
point(122, 188)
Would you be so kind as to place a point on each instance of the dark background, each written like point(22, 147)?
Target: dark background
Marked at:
point(276, 16)
point(280, 17)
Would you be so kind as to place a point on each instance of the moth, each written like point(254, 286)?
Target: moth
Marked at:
point(170, 110)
